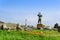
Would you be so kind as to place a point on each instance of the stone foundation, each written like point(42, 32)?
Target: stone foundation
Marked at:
point(39, 26)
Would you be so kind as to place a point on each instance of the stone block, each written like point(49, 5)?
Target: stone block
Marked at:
point(39, 26)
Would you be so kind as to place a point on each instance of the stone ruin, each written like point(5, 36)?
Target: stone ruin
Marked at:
point(8, 26)
point(12, 26)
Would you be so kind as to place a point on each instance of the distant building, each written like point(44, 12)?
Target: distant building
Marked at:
point(1, 22)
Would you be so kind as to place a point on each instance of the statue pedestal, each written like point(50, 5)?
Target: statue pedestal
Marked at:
point(39, 26)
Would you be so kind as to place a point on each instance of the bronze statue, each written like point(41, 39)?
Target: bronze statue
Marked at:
point(39, 25)
point(39, 20)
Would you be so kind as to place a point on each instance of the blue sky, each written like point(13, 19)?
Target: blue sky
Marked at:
point(17, 11)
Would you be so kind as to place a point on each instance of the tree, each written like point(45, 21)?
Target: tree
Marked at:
point(2, 27)
point(17, 28)
point(56, 25)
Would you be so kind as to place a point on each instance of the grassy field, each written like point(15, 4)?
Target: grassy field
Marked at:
point(25, 35)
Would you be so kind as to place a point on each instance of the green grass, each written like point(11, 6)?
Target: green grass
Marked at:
point(22, 35)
